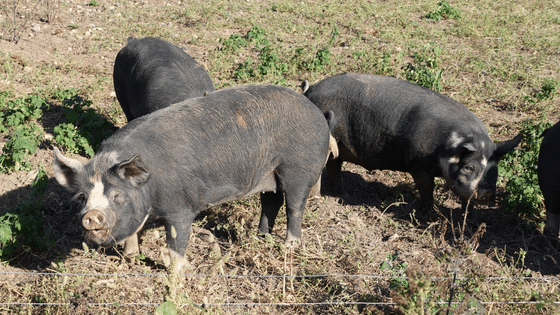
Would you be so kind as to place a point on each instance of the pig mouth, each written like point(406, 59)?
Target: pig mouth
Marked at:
point(98, 236)
point(97, 226)
point(477, 196)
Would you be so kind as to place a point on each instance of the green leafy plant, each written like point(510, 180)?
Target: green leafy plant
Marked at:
point(16, 112)
point(519, 170)
point(547, 91)
point(270, 62)
point(22, 143)
point(84, 129)
point(443, 12)
point(257, 36)
point(321, 58)
point(397, 270)
point(236, 42)
point(244, 70)
point(68, 136)
point(22, 226)
point(424, 71)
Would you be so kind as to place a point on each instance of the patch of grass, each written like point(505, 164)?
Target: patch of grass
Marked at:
point(23, 142)
point(18, 116)
point(21, 227)
point(18, 112)
point(518, 169)
point(444, 11)
point(424, 71)
point(84, 128)
point(547, 91)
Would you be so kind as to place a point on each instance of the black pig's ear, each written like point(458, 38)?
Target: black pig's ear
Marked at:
point(459, 152)
point(133, 171)
point(66, 170)
point(505, 146)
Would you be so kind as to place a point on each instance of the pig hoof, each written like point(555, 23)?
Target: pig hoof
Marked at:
point(131, 245)
point(291, 241)
point(176, 263)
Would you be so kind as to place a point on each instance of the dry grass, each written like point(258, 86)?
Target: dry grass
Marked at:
point(494, 56)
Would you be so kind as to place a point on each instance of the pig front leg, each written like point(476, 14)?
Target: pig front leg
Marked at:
point(425, 185)
point(131, 244)
point(334, 169)
point(178, 232)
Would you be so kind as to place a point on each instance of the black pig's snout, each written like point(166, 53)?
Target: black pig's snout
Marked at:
point(485, 196)
point(94, 220)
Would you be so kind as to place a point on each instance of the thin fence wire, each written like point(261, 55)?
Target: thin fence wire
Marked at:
point(252, 304)
point(239, 304)
point(551, 278)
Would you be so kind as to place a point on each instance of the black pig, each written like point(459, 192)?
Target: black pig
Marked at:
point(387, 123)
point(151, 73)
point(549, 178)
point(198, 153)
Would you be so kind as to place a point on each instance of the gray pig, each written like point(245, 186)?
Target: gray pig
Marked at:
point(182, 159)
point(151, 73)
point(549, 178)
point(387, 123)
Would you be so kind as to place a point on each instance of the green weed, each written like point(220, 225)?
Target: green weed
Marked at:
point(396, 270)
point(17, 116)
point(546, 92)
point(22, 227)
point(320, 59)
point(424, 71)
point(84, 129)
point(443, 12)
point(68, 136)
point(16, 112)
point(519, 170)
point(234, 43)
point(270, 63)
point(22, 143)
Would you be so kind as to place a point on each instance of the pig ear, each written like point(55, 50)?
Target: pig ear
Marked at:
point(66, 170)
point(133, 171)
point(505, 146)
point(462, 150)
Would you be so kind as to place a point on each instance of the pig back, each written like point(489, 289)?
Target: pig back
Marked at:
point(380, 117)
point(233, 138)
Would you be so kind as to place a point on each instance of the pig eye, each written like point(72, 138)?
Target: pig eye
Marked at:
point(469, 169)
point(80, 198)
point(118, 198)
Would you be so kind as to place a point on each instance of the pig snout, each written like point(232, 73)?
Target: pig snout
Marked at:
point(485, 196)
point(94, 220)
point(97, 225)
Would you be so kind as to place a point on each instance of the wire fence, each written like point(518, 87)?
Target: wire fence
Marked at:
point(550, 278)
point(257, 304)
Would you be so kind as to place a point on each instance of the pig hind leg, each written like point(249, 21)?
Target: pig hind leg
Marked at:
point(296, 189)
point(425, 185)
point(121, 97)
point(271, 202)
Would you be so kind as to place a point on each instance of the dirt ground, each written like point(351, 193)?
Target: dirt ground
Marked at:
point(352, 236)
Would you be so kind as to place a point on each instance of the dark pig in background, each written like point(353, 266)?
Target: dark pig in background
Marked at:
point(549, 178)
point(182, 159)
point(387, 123)
point(151, 73)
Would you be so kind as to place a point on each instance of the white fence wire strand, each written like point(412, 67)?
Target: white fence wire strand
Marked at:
point(551, 278)
point(251, 304)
